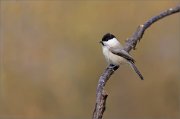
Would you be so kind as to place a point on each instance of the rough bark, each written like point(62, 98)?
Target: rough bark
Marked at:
point(101, 95)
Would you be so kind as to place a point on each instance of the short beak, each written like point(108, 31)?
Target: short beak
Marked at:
point(101, 42)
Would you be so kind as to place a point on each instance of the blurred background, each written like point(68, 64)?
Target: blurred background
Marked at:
point(50, 60)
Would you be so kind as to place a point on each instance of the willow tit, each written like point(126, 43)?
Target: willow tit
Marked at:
point(114, 53)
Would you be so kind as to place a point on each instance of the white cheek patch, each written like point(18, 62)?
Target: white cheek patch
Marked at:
point(112, 42)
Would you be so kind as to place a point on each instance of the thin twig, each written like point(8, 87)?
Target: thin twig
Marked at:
point(131, 43)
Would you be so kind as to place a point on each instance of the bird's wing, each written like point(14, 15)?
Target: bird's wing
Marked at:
point(122, 53)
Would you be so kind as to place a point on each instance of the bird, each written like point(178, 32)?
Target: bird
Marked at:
point(115, 55)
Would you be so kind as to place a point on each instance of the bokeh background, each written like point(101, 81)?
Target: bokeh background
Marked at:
point(50, 60)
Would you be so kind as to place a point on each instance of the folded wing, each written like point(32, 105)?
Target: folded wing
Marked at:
point(122, 53)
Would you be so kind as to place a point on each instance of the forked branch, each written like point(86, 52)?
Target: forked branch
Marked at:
point(131, 43)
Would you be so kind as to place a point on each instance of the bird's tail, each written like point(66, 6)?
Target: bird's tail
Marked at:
point(133, 66)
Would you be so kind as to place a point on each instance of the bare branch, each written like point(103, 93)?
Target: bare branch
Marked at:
point(131, 43)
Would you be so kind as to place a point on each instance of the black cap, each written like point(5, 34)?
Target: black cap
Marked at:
point(107, 37)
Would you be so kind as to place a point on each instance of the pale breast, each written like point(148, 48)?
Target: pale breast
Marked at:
point(112, 58)
point(106, 53)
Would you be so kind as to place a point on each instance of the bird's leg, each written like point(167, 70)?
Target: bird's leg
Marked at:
point(113, 67)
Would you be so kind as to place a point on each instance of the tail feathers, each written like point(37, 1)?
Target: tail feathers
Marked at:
point(136, 70)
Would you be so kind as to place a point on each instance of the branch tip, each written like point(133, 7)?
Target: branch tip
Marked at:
point(170, 9)
point(141, 25)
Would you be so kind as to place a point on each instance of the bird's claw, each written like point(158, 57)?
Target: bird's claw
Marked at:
point(113, 67)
